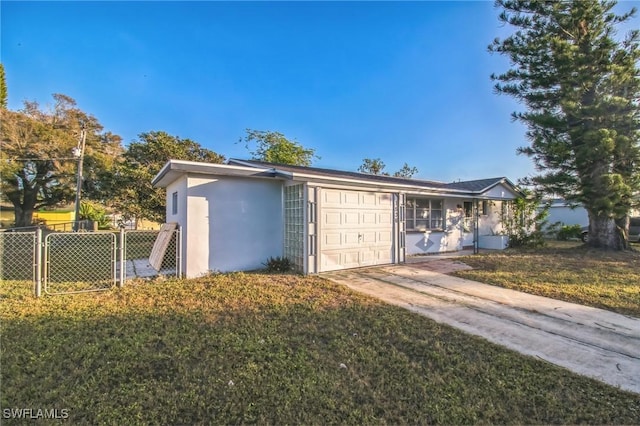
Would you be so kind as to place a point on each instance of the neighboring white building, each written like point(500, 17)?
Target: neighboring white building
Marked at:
point(566, 214)
point(235, 216)
point(563, 212)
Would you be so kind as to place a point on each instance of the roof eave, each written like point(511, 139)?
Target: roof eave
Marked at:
point(418, 186)
point(175, 168)
point(363, 182)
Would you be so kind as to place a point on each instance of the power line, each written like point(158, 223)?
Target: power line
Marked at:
point(9, 160)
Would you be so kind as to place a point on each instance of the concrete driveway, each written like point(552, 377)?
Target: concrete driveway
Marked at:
point(588, 341)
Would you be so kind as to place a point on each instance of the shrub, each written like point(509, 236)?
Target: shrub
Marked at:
point(567, 232)
point(532, 240)
point(95, 212)
point(278, 265)
point(523, 222)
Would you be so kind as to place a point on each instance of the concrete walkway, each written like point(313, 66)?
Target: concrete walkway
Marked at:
point(140, 268)
point(588, 341)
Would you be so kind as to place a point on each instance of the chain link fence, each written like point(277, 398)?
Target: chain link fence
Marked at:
point(137, 248)
point(73, 262)
point(17, 256)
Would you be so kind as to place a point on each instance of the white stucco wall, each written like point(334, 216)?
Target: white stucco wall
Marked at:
point(500, 191)
point(234, 224)
point(198, 237)
point(490, 223)
point(179, 186)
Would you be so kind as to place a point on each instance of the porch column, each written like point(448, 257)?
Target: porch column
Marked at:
point(476, 228)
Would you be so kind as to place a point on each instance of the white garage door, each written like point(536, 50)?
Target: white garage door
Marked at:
point(356, 229)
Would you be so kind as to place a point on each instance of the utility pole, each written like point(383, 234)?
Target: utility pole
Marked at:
point(78, 152)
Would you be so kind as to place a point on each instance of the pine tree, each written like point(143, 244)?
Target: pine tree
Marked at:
point(581, 88)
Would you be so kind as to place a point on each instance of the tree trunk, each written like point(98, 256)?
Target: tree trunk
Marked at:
point(17, 216)
point(23, 217)
point(24, 202)
point(605, 234)
point(622, 225)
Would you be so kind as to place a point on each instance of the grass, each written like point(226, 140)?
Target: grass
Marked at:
point(272, 349)
point(567, 271)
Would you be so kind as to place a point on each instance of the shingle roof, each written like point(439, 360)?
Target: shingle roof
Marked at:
point(337, 173)
point(472, 186)
point(478, 185)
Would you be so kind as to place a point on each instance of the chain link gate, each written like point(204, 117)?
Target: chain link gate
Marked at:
point(76, 262)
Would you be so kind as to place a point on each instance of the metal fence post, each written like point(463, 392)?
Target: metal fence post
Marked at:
point(38, 263)
point(123, 260)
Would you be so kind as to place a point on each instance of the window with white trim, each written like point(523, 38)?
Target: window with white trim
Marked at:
point(424, 214)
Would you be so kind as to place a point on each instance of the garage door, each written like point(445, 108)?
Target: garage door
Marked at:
point(356, 229)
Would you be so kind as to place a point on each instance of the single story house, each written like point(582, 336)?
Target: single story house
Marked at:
point(235, 216)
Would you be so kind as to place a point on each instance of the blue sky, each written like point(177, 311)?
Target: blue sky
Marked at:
point(402, 81)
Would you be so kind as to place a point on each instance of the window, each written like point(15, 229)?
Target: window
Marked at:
point(174, 203)
point(424, 213)
point(468, 209)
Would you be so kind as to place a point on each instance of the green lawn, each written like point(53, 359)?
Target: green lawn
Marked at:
point(567, 271)
point(272, 349)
